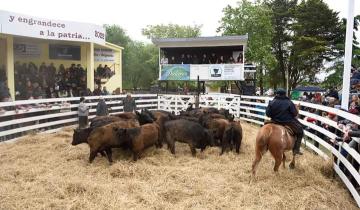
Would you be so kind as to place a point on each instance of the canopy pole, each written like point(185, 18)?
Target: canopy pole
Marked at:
point(348, 56)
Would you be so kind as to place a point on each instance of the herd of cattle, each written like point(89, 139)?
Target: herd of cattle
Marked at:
point(137, 131)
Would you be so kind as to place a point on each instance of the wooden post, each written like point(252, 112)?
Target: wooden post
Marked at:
point(10, 65)
point(197, 98)
point(90, 66)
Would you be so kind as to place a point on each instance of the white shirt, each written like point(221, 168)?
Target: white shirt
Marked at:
point(164, 60)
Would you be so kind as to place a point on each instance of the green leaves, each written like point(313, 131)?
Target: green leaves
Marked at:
point(171, 31)
point(140, 61)
point(256, 20)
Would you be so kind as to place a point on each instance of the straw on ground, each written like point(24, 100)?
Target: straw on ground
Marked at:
point(44, 171)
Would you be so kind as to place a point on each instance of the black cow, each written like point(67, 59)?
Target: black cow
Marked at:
point(188, 132)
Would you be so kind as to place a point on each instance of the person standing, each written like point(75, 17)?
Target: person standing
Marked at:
point(101, 108)
point(83, 113)
point(129, 104)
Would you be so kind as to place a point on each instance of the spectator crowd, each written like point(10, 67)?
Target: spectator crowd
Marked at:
point(47, 81)
point(204, 58)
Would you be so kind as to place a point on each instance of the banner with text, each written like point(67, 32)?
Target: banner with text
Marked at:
point(26, 50)
point(209, 72)
point(24, 25)
point(175, 72)
point(104, 55)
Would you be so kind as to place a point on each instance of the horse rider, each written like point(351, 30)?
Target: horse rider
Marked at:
point(282, 111)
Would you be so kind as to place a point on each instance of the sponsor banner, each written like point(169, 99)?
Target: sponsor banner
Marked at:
point(175, 72)
point(29, 26)
point(26, 50)
point(104, 55)
point(64, 52)
point(211, 72)
point(217, 72)
point(201, 70)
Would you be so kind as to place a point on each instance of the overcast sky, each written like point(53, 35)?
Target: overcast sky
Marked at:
point(133, 15)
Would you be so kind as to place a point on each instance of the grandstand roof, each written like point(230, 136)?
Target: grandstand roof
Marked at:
point(201, 41)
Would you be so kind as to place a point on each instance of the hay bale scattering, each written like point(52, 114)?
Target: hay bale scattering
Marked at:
point(44, 171)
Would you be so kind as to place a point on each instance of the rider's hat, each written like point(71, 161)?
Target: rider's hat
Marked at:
point(280, 91)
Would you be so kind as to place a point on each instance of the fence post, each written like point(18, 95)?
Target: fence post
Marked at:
point(158, 102)
point(238, 107)
point(176, 104)
point(218, 102)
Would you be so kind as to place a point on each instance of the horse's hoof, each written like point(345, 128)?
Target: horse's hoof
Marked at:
point(292, 166)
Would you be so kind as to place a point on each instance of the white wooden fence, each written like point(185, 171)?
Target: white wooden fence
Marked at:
point(252, 109)
point(23, 117)
point(51, 114)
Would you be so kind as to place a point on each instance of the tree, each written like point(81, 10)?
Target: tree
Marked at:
point(334, 79)
point(281, 19)
point(142, 68)
point(253, 19)
point(171, 31)
point(316, 31)
point(116, 35)
point(140, 61)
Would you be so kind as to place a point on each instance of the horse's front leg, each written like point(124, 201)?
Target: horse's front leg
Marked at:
point(292, 164)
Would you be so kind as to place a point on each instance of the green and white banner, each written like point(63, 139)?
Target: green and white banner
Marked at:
point(175, 72)
point(205, 72)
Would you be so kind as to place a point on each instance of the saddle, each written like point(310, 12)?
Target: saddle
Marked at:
point(287, 127)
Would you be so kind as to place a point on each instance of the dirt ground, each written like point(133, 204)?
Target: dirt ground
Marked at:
point(44, 171)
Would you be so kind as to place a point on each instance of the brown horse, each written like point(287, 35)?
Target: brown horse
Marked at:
point(277, 139)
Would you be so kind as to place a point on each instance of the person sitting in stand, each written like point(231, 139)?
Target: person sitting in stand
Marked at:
point(172, 60)
point(195, 59)
point(100, 70)
point(240, 59)
point(188, 59)
point(97, 91)
point(204, 59)
point(42, 68)
point(231, 59)
point(213, 59)
point(104, 92)
point(107, 72)
point(50, 74)
point(182, 59)
point(164, 60)
point(221, 60)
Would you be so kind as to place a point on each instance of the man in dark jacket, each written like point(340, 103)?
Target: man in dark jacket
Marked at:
point(101, 108)
point(282, 111)
point(333, 93)
point(129, 104)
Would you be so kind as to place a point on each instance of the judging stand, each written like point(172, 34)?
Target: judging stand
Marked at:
point(27, 40)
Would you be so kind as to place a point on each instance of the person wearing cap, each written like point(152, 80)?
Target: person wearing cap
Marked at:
point(83, 113)
point(129, 104)
point(101, 108)
point(282, 111)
